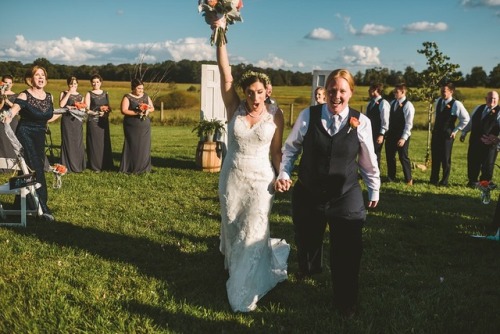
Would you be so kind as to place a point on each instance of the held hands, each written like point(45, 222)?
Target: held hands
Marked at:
point(282, 185)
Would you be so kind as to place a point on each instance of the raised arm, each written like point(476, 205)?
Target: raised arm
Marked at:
point(229, 95)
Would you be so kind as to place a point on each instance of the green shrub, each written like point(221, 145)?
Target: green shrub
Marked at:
point(177, 100)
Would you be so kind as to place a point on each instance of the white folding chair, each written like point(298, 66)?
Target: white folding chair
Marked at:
point(5, 189)
point(18, 165)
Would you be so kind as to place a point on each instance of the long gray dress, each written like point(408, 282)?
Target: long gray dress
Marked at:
point(99, 154)
point(6, 150)
point(72, 148)
point(136, 154)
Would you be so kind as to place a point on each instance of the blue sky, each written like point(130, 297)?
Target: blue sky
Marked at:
point(288, 34)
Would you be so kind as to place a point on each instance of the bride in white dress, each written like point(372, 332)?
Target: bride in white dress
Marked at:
point(256, 262)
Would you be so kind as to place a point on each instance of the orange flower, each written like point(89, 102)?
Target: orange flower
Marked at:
point(484, 183)
point(80, 105)
point(59, 169)
point(143, 107)
point(104, 108)
point(353, 124)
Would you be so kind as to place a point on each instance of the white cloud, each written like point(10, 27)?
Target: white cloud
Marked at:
point(273, 62)
point(360, 55)
point(74, 51)
point(425, 26)
point(478, 3)
point(374, 30)
point(320, 34)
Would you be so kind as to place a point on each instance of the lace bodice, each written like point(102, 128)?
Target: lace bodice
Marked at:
point(245, 141)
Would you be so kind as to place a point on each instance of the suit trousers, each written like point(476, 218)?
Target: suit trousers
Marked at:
point(441, 148)
point(346, 245)
point(391, 147)
point(481, 158)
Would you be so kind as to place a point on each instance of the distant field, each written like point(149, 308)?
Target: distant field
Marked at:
point(285, 95)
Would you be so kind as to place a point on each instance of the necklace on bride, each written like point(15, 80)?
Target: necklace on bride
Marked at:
point(249, 113)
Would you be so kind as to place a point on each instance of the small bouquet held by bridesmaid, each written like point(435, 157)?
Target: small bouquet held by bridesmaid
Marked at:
point(142, 109)
point(58, 170)
point(214, 10)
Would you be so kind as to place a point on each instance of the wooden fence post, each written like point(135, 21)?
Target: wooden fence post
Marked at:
point(161, 112)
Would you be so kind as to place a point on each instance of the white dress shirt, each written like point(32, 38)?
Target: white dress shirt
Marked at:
point(409, 114)
point(367, 160)
point(385, 113)
point(458, 110)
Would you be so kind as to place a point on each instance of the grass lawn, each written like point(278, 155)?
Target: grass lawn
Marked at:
point(139, 254)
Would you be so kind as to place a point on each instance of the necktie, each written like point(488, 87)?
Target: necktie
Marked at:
point(485, 113)
point(335, 126)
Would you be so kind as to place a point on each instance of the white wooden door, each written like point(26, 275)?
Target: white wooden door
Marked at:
point(212, 106)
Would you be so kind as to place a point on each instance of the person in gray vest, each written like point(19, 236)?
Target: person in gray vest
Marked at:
point(336, 144)
point(397, 138)
point(485, 120)
point(447, 111)
point(378, 110)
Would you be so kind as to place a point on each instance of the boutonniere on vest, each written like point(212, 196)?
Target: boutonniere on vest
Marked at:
point(353, 124)
point(448, 106)
point(493, 111)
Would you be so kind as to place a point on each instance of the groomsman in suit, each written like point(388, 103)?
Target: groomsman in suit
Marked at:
point(398, 135)
point(378, 111)
point(334, 141)
point(447, 111)
point(485, 121)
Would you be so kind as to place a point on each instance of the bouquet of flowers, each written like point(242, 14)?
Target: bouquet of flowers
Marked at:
point(486, 187)
point(105, 108)
point(4, 87)
point(142, 109)
point(217, 9)
point(58, 170)
point(4, 114)
point(82, 106)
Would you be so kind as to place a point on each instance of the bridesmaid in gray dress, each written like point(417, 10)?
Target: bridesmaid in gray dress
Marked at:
point(136, 106)
point(99, 154)
point(6, 102)
point(72, 148)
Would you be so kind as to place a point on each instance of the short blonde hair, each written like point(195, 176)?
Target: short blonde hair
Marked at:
point(341, 73)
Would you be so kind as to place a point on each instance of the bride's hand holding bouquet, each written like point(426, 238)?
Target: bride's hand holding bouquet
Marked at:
point(219, 14)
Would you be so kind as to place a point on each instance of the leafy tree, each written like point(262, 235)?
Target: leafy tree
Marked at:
point(438, 70)
point(494, 78)
point(477, 77)
point(411, 77)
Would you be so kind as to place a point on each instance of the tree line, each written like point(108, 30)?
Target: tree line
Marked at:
point(189, 71)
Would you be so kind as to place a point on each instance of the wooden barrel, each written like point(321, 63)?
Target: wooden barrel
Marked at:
point(209, 156)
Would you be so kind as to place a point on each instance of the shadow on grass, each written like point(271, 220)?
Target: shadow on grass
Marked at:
point(166, 262)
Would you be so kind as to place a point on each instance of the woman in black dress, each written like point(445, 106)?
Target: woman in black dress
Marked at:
point(36, 108)
point(136, 106)
point(72, 149)
point(99, 154)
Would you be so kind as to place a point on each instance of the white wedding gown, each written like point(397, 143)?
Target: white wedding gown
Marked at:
point(256, 263)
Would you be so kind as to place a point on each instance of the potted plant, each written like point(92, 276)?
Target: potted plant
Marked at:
point(209, 151)
point(206, 129)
